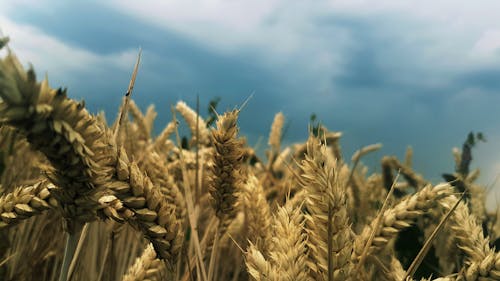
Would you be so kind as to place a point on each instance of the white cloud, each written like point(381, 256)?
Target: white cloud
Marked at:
point(49, 54)
point(283, 29)
point(488, 44)
point(230, 25)
point(281, 35)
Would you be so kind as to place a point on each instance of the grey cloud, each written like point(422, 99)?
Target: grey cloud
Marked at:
point(386, 90)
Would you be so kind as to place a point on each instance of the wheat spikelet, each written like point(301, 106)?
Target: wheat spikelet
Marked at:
point(324, 183)
point(147, 267)
point(25, 202)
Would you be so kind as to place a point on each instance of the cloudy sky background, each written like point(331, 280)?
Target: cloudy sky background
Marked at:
point(399, 72)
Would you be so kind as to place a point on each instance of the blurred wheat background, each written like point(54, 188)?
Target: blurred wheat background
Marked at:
point(217, 195)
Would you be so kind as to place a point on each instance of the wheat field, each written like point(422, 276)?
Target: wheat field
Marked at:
point(84, 199)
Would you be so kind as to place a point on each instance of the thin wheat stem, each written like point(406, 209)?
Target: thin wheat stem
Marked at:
point(69, 251)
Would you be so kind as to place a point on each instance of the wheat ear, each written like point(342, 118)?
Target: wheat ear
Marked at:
point(156, 167)
point(225, 175)
point(481, 261)
point(275, 137)
point(400, 217)
point(257, 213)
point(289, 251)
point(142, 124)
point(147, 267)
point(258, 267)
point(25, 202)
point(153, 215)
point(327, 224)
point(64, 132)
point(160, 141)
point(195, 123)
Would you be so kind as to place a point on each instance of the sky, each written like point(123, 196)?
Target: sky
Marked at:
point(420, 73)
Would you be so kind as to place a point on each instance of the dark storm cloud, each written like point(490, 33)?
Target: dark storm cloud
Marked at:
point(173, 67)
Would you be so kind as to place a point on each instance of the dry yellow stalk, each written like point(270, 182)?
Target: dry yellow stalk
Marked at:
point(325, 184)
point(147, 267)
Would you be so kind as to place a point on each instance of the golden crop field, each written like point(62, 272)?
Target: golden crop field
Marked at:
point(84, 199)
